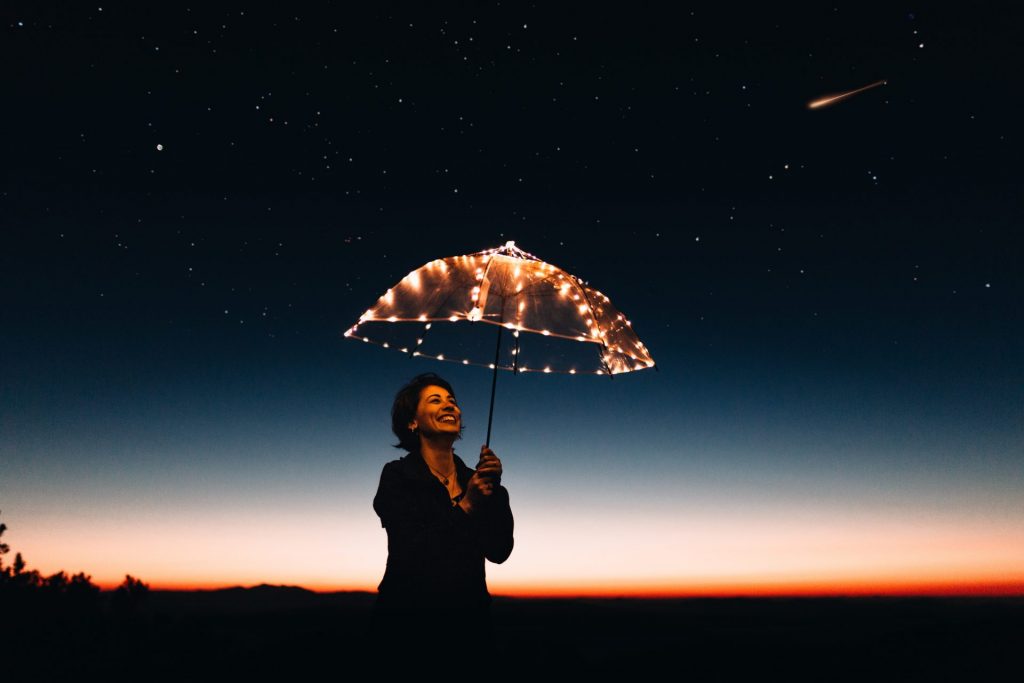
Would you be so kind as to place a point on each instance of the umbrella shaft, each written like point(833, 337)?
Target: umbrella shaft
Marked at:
point(494, 384)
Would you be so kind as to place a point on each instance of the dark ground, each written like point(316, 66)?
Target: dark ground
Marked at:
point(276, 631)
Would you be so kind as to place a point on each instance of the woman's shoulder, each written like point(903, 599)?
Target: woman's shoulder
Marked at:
point(409, 465)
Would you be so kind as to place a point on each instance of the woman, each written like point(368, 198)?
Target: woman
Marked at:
point(442, 518)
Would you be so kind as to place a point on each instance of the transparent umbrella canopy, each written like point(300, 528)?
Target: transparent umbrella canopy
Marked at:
point(441, 309)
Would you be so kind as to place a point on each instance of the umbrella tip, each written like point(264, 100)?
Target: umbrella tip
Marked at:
point(510, 244)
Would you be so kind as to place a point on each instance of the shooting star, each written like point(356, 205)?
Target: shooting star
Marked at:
point(832, 99)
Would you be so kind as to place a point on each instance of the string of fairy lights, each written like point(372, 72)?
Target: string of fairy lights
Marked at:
point(621, 350)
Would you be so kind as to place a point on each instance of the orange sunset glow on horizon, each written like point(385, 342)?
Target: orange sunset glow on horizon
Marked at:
point(697, 557)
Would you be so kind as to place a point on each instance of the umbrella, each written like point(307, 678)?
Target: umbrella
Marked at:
point(509, 289)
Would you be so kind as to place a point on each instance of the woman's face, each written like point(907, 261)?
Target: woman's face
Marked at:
point(437, 413)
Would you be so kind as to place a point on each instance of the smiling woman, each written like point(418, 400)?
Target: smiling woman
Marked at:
point(443, 519)
point(418, 412)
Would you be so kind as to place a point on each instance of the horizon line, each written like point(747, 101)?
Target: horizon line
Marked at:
point(949, 590)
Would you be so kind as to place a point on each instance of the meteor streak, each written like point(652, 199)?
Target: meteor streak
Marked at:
point(832, 99)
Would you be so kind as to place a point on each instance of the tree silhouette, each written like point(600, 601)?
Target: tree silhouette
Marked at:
point(76, 591)
point(62, 624)
point(4, 549)
point(22, 578)
point(129, 595)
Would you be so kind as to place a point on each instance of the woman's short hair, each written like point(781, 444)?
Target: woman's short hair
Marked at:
point(403, 410)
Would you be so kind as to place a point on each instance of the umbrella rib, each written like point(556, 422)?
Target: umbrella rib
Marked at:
point(593, 318)
point(537, 283)
point(431, 317)
point(487, 269)
point(590, 310)
point(443, 303)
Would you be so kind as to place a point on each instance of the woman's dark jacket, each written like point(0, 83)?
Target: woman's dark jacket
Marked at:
point(435, 550)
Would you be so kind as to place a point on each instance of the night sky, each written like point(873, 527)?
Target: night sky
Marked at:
point(197, 202)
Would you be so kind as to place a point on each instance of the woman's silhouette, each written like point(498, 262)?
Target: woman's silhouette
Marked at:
point(442, 518)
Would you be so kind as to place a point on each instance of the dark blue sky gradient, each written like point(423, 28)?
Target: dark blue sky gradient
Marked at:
point(832, 296)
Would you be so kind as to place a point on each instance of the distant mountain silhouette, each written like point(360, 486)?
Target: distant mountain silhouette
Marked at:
point(261, 598)
point(266, 589)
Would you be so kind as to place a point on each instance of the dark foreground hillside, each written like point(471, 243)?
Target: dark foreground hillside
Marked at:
point(291, 631)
